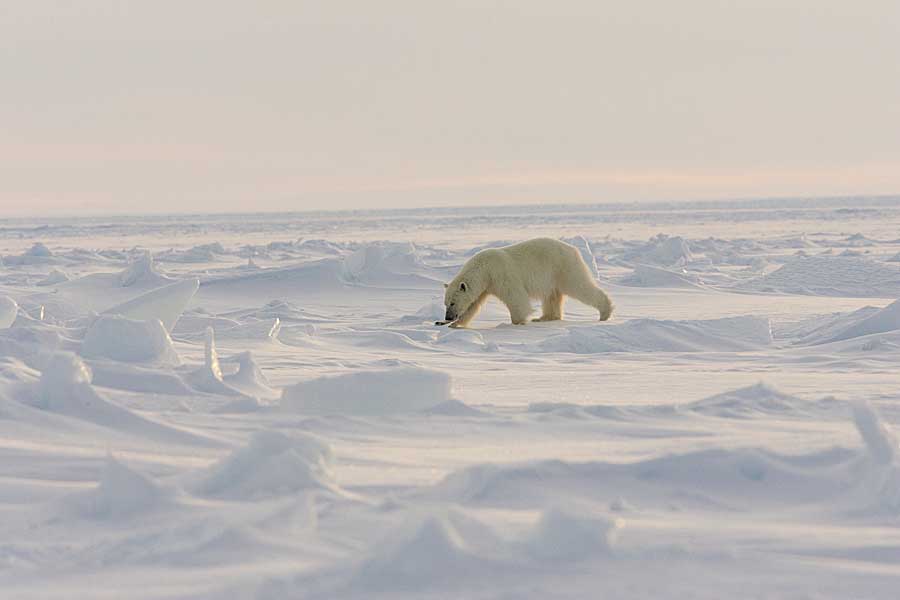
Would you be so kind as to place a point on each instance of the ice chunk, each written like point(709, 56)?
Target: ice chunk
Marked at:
point(8, 311)
point(165, 303)
point(119, 338)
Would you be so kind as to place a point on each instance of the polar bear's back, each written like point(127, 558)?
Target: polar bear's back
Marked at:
point(542, 263)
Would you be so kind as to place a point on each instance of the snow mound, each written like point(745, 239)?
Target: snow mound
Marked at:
point(147, 379)
point(320, 246)
point(462, 339)
point(142, 271)
point(882, 321)
point(65, 383)
point(564, 536)
point(648, 276)
point(38, 249)
point(881, 480)
point(203, 543)
point(650, 335)
point(249, 378)
point(8, 311)
point(53, 277)
point(38, 254)
point(894, 258)
point(431, 312)
point(437, 551)
point(165, 304)
point(488, 482)
point(662, 250)
point(122, 492)
point(261, 285)
point(383, 263)
point(880, 441)
point(65, 388)
point(830, 276)
point(752, 401)
point(287, 311)
point(732, 479)
point(377, 392)
point(198, 254)
point(31, 343)
point(122, 339)
point(271, 464)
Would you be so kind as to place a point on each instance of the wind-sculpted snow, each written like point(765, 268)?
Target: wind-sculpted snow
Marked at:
point(758, 401)
point(65, 388)
point(121, 492)
point(388, 264)
point(53, 277)
point(298, 427)
point(374, 392)
point(761, 401)
point(741, 479)
point(661, 250)
point(830, 276)
point(271, 464)
point(648, 276)
point(882, 320)
point(563, 536)
point(649, 335)
point(434, 553)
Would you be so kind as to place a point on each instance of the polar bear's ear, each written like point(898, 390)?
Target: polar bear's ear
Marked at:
point(463, 287)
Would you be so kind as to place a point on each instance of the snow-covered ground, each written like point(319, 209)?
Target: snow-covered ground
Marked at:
point(260, 406)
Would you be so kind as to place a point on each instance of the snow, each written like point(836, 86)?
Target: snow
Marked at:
point(654, 335)
point(272, 463)
point(371, 392)
point(261, 407)
point(831, 276)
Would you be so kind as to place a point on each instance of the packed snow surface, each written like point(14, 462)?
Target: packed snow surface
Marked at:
point(261, 407)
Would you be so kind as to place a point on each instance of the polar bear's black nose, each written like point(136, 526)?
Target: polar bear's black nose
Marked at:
point(451, 314)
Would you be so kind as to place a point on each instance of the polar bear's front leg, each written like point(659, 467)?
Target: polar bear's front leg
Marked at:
point(471, 312)
point(519, 306)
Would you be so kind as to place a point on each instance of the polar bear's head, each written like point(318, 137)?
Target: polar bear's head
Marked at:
point(458, 298)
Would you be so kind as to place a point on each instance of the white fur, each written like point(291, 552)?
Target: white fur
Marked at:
point(540, 269)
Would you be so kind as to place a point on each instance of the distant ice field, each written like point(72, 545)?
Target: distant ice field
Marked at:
point(260, 406)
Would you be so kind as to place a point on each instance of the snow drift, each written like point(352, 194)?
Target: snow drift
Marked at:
point(271, 464)
point(651, 335)
point(376, 392)
point(830, 276)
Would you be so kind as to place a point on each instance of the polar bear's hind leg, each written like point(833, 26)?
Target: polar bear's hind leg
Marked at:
point(552, 307)
point(588, 293)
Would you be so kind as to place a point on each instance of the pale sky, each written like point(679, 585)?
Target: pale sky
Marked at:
point(156, 106)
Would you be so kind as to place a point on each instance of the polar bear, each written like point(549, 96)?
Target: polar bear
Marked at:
point(543, 269)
